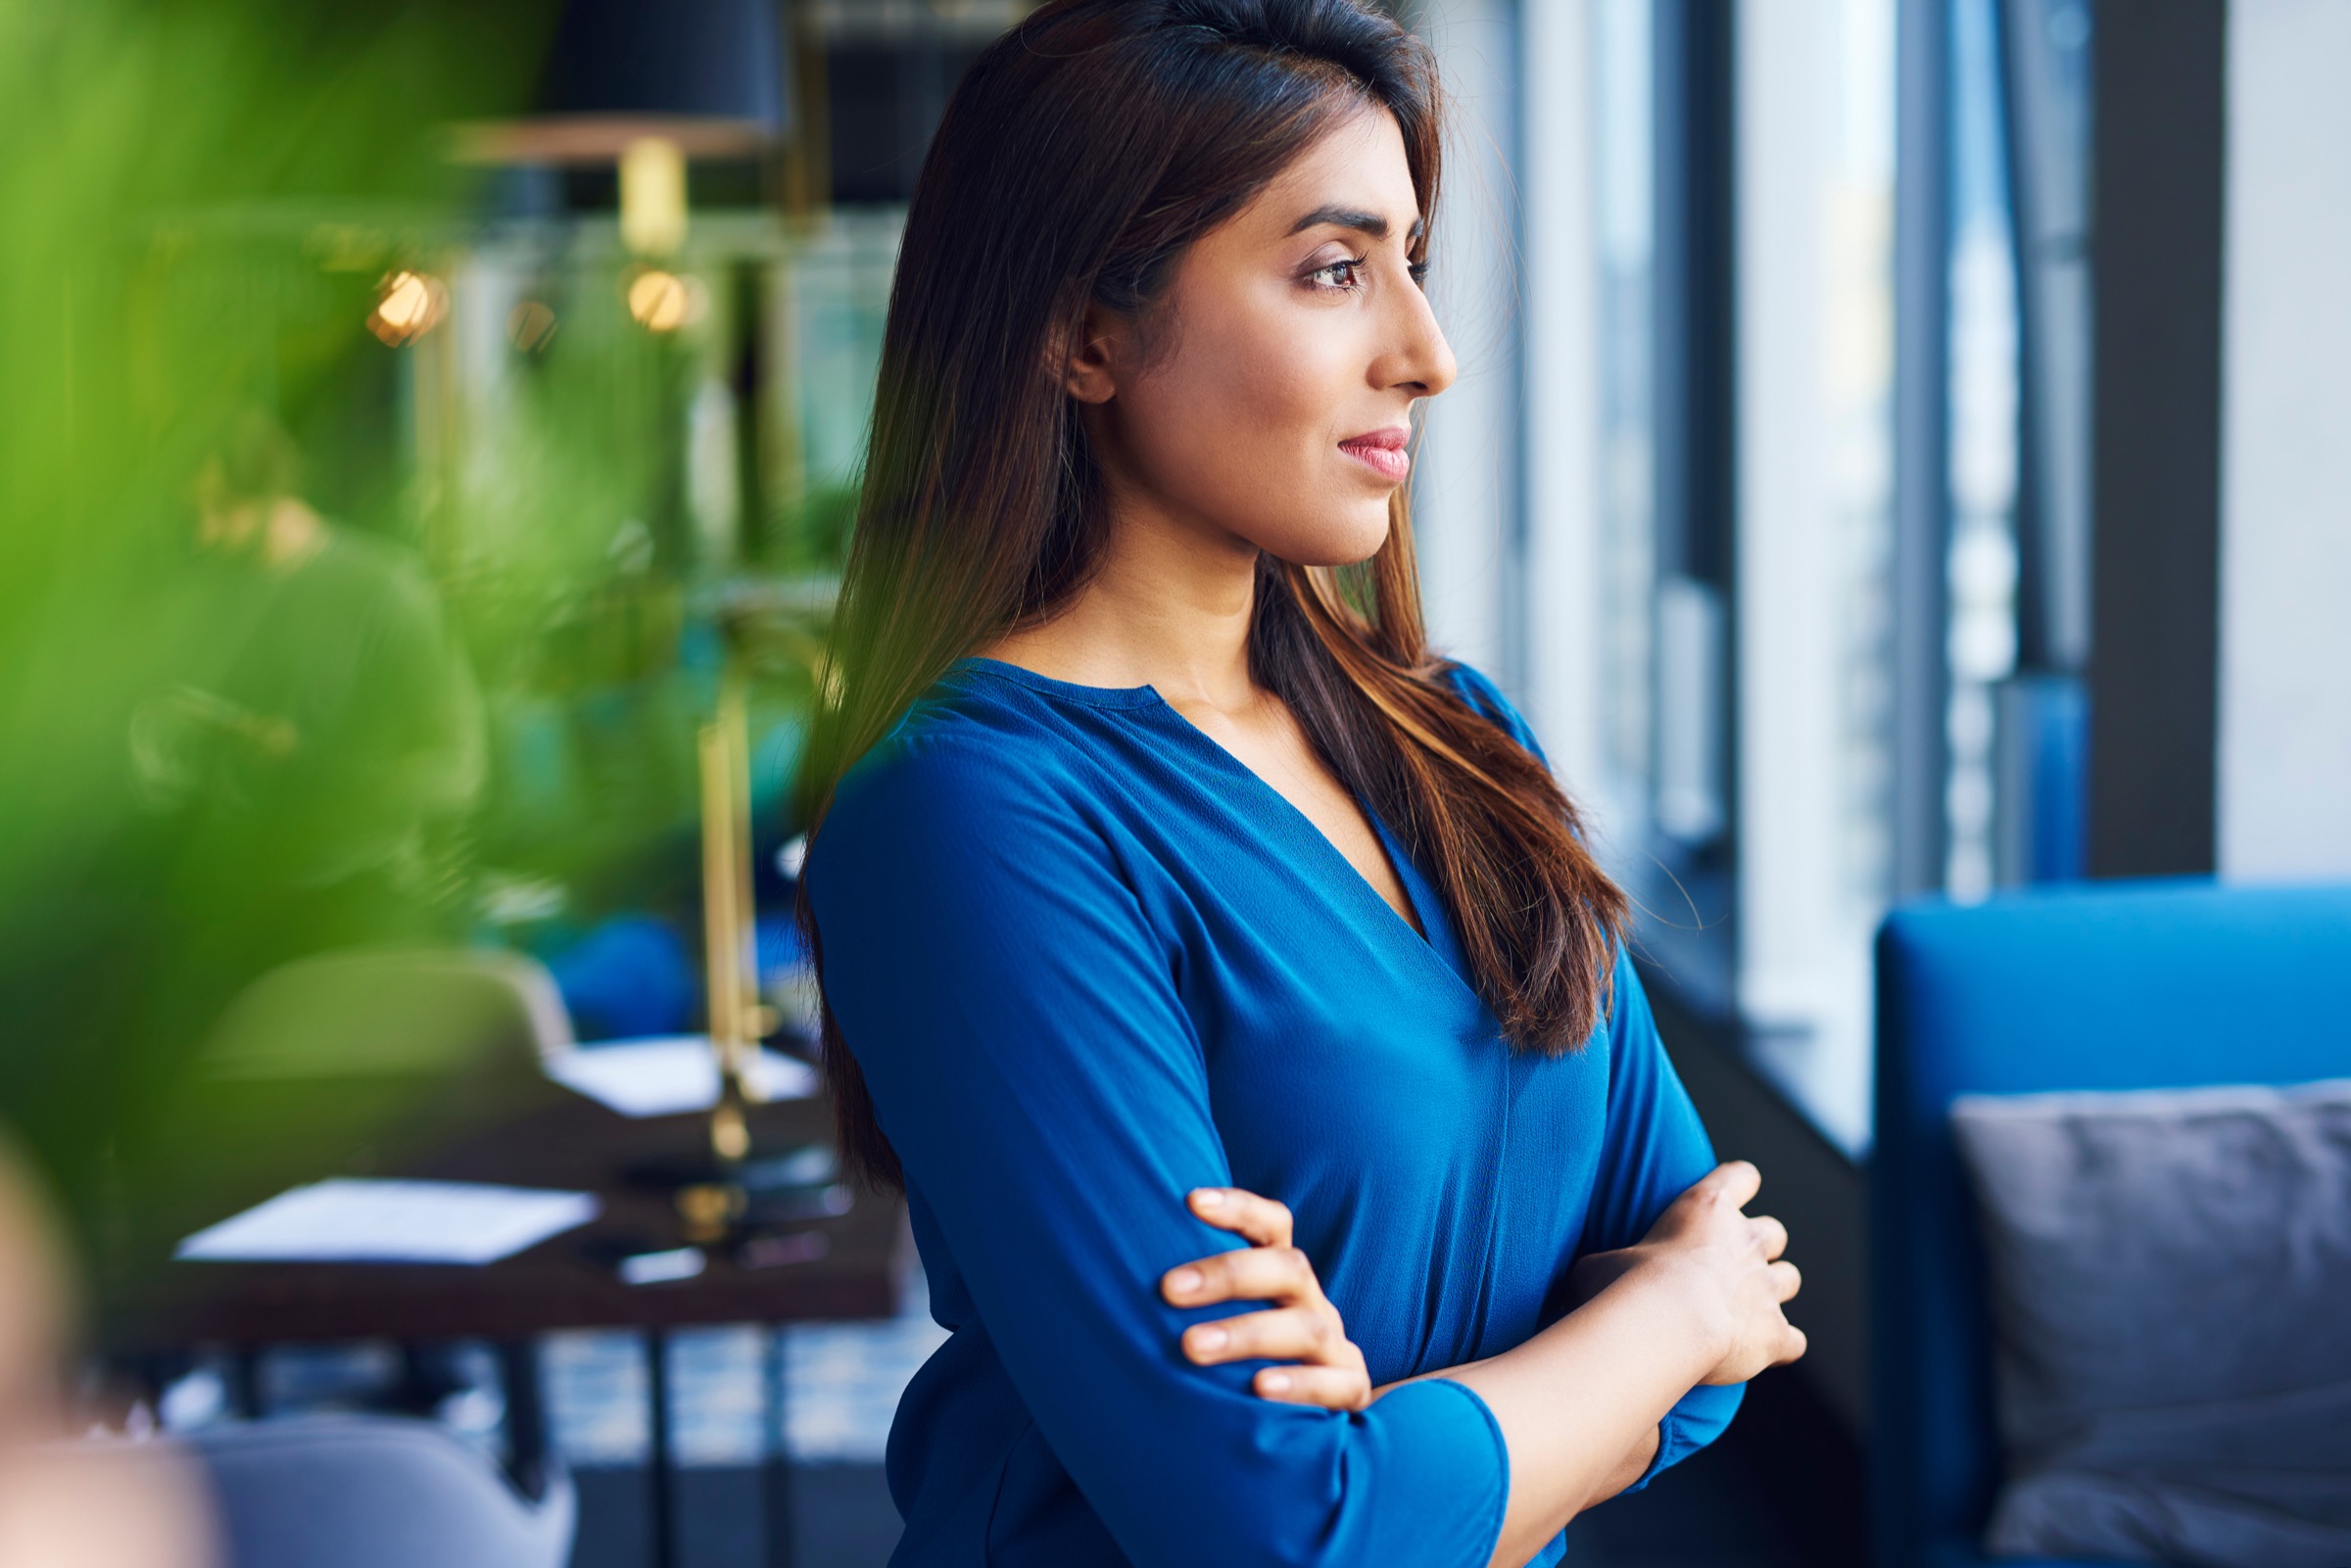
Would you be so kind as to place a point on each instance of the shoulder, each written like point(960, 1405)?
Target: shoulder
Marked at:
point(969, 825)
point(971, 762)
point(1474, 688)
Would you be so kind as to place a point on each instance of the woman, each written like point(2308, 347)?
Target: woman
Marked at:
point(1191, 936)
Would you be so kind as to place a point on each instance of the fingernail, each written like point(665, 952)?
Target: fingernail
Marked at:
point(1186, 1279)
point(1211, 1338)
point(1275, 1382)
point(1210, 1198)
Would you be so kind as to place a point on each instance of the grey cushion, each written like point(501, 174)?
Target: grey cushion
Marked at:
point(2171, 1297)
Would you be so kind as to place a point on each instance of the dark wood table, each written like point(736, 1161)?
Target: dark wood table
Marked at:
point(825, 1267)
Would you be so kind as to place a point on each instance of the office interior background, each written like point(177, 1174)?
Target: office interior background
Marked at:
point(1899, 455)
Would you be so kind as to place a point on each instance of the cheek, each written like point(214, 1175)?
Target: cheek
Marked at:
point(1239, 428)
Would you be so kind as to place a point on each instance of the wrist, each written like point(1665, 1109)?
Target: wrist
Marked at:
point(1677, 1284)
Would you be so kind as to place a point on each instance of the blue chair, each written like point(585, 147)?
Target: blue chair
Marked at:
point(2121, 985)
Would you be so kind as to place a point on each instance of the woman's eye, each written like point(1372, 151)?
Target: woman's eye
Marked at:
point(1344, 274)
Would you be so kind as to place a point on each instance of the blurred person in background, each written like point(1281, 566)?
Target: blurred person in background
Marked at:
point(303, 766)
point(336, 726)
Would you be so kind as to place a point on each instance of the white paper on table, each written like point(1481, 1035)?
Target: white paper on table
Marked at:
point(669, 1074)
point(356, 1220)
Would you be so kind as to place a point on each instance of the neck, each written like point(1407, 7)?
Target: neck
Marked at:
point(1168, 607)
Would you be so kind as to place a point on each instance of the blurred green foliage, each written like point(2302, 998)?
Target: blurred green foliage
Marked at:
point(200, 201)
point(169, 173)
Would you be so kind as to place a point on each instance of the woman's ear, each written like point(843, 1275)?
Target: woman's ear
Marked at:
point(1088, 362)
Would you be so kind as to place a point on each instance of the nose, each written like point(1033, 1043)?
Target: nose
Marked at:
point(1419, 360)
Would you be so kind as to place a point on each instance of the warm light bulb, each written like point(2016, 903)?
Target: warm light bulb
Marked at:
point(652, 196)
point(408, 306)
point(663, 301)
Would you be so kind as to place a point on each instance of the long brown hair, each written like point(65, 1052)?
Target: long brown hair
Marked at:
point(1081, 155)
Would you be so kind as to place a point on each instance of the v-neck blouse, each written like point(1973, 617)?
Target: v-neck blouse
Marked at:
point(1086, 961)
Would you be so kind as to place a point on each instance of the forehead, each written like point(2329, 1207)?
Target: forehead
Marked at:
point(1357, 165)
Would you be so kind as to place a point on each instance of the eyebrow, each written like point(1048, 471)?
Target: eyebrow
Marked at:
point(1370, 224)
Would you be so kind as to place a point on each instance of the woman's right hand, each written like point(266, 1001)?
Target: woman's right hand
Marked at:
point(1730, 1261)
point(1303, 1327)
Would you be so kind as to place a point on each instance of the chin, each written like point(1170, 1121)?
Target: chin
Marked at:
point(1339, 541)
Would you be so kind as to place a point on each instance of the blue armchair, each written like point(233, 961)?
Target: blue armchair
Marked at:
point(2114, 986)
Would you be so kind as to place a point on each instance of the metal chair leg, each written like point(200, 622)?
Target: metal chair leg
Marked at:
point(660, 1469)
point(526, 1415)
point(774, 1481)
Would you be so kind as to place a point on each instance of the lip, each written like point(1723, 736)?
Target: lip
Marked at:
point(1383, 452)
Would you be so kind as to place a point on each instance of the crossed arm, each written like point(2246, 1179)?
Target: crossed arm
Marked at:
point(1698, 1300)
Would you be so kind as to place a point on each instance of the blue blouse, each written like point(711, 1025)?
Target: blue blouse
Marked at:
point(1088, 960)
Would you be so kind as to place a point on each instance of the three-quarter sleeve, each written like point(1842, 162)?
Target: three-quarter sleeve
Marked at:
point(1017, 1023)
point(1654, 1149)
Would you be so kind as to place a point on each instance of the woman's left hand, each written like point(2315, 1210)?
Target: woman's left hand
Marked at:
point(1303, 1327)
